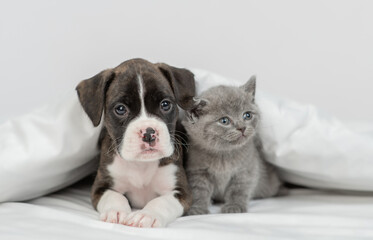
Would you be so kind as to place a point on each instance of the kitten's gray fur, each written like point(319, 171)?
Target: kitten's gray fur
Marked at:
point(226, 162)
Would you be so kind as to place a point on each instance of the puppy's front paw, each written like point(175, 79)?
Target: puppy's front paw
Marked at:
point(233, 208)
point(144, 219)
point(114, 216)
point(194, 210)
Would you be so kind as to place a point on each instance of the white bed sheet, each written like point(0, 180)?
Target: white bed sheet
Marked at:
point(304, 214)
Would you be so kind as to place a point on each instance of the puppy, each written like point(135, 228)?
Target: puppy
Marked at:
point(141, 156)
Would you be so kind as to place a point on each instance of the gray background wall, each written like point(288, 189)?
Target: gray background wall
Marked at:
point(317, 52)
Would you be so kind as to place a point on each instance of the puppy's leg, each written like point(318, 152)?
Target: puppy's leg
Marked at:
point(157, 213)
point(113, 207)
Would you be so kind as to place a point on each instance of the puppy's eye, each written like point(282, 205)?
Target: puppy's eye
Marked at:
point(224, 121)
point(247, 116)
point(166, 105)
point(120, 109)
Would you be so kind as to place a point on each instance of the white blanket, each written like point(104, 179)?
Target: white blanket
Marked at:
point(304, 214)
point(49, 149)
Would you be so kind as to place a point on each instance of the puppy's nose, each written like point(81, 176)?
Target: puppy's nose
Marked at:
point(149, 135)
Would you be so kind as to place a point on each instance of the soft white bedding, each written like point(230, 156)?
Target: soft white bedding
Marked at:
point(304, 214)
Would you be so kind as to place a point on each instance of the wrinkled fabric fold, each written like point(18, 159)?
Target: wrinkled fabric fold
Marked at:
point(46, 150)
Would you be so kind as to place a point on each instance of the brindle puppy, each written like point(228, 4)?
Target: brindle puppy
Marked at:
point(141, 157)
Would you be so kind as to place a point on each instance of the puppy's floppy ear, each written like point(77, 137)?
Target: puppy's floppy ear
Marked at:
point(91, 93)
point(182, 83)
point(197, 109)
point(250, 86)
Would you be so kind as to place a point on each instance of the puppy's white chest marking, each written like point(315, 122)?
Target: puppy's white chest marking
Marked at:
point(142, 181)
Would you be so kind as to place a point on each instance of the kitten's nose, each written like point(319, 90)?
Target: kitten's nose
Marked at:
point(242, 130)
point(149, 135)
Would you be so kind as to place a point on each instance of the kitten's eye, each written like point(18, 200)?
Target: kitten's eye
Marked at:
point(247, 116)
point(120, 109)
point(224, 120)
point(166, 105)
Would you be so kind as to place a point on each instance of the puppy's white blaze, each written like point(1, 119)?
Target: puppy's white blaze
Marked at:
point(112, 200)
point(141, 93)
point(165, 208)
point(130, 148)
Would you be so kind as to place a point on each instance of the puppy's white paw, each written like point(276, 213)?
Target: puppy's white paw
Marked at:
point(114, 216)
point(143, 219)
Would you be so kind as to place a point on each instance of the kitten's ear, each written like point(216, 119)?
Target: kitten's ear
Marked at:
point(250, 86)
point(197, 110)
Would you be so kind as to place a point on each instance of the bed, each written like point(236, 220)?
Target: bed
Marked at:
point(303, 214)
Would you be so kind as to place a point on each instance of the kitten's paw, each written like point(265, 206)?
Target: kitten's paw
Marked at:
point(233, 208)
point(114, 216)
point(197, 211)
point(144, 219)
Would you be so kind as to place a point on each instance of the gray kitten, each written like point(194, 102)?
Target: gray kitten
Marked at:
point(225, 160)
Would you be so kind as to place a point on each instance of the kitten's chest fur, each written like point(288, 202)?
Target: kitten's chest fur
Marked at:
point(224, 165)
point(220, 175)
